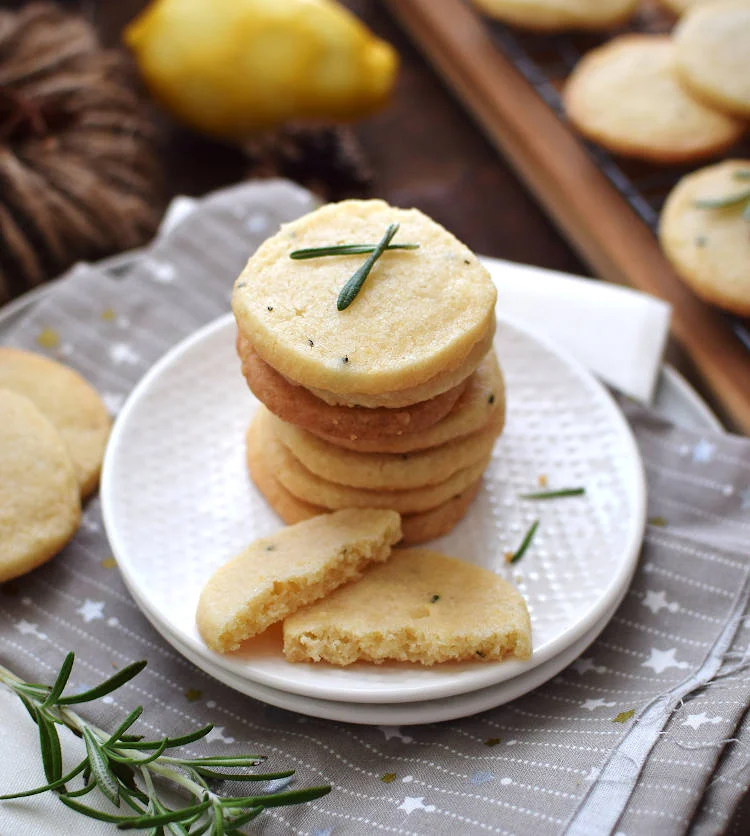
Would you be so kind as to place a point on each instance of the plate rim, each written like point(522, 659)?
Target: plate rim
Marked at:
point(511, 668)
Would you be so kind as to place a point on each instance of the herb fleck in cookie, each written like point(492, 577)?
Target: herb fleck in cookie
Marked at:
point(299, 406)
point(40, 506)
point(712, 45)
point(68, 401)
point(421, 607)
point(417, 318)
point(705, 233)
point(277, 575)
point(626, 95)
point(559, 15)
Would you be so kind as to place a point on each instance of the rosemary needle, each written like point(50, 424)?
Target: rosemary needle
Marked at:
point(344, 249)
point(525, 543)
point(553, 494)
point(350, 290)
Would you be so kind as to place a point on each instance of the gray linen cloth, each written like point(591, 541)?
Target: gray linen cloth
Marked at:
point(646, 733)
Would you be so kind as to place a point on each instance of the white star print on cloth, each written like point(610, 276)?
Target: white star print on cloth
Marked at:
point(703, 451)
point(657, 601)
point(661, 660)
point(123, 353)
point(27, 628)
point(592, 705)
point(395, 731)
point(162, 272)
point(91, 610)
point(217, 733)
point(695, 721)
point(586, 664)
point(409, 805)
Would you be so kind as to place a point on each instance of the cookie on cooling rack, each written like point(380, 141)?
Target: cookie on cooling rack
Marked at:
point(712, 48)
point(560, 15)
point(705, 233)
point(627, 97)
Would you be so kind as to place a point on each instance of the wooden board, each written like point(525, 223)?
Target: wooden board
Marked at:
point(592, 214)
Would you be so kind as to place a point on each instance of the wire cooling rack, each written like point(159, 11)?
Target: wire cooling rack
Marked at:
point(547, 60)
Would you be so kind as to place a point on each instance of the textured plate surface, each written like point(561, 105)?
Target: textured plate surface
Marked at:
point(177, 503)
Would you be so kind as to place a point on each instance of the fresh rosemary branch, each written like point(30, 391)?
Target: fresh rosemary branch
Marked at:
point(558, 494)
point(344, 249)
point(738, 199)
point(125, 768)
point(350, 290)
point(525, 543)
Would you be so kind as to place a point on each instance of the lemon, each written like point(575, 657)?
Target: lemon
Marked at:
point(230, 68)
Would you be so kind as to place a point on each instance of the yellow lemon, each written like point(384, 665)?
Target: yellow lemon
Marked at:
point(229, 68)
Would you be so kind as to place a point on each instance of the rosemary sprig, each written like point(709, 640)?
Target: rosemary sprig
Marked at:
point(738, 199)
point(350, 290)
point(555, 494)
point(525, 543)
point(125, 768)
point(344, 249)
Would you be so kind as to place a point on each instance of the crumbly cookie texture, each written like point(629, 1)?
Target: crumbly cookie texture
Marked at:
point(710, 248)
point(421, 607)
point(419, 314)
point(713, 59)
point(68, 401)
point(384, 471)
point(560, 15)
point(483, 396)
point(314, 490)
point(417, 528)
point(277, 575)
point(40, 506)
point(627, 96)
point(298, 405)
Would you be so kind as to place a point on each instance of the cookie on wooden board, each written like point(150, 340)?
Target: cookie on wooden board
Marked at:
point(483, 397)
point(417, 528)
point(68, 401)
point(710, 247)
point(627, 96)
point(275, 576)
point(299, 406)
point(417, 318)
point(316, 491)
point(560, 15)
point(420, 606)
point(40, 504)
point(383, 471)
point(712, 46)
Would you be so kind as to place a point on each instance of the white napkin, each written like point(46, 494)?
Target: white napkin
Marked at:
point(619, 334)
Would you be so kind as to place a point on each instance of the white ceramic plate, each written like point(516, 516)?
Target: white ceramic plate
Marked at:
point(177, 503)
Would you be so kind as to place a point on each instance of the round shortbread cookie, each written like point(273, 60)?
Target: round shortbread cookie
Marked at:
point(383, 471)
point(299, 406)
point(713, 55)
point(443, 382)
point(710, 248)
point(40, 503)
point(483, 398)
point(560, 15)
point(316, 491)
point(626, 95)
point(420, 606)
point(418, 316)
point(68, 401)
point(416, 528)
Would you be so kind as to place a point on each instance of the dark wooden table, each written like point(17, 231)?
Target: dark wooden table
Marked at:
point(424, 149)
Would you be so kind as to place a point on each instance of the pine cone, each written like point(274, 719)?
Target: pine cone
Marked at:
point(78, 171)
point(326, 158)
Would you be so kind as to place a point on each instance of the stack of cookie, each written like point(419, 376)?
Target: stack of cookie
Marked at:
point(376, 370)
